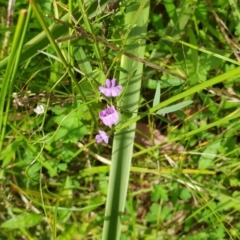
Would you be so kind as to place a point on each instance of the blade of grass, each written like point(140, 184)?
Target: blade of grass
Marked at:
point(41, 41)
point(70, 47)
point(171, 39)
point(11, 71)
point(220, 122)
point(123, 140)
point(228, 75)
point(174, 108)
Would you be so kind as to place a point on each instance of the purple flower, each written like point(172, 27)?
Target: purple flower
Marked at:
point(109, 116)
point(111, 90)
point(102, 136)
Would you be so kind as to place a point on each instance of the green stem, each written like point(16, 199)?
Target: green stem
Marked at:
point(124, 139)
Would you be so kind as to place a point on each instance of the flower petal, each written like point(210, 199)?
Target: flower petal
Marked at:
point(109, 116)
point(116, 91)
point(105, 91)
point(39, 109)
point(114, 82)
point(111, 90)
point(102, 137)
point(108, 83)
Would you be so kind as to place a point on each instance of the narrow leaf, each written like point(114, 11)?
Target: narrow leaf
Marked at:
point(24, 220)
point(157, 96)
point(174, 107)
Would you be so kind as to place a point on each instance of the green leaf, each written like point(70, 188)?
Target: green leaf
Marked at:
point(174, 194)
point(152, 215)
point(208, 155)
point(52, 172)
point(59, 111)
point(150, 83)
point(24, 220)
point(164, 119)
point(157, 95)
point(159, 193)
point(82, 60)
point(185, 194)
point(8, 153)
point(155, 214)
point(71, 128)
point(169, 82)
point(70, 232)
point(126, 115)
point(174, 107)
point(165, 213)
point(62, 166)
point(66, 199)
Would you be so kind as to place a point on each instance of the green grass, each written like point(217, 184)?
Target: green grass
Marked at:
point(178, 178)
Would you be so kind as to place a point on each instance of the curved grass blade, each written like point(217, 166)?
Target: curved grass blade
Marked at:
point(223, 77)
point(174, 108)
point(11, 71)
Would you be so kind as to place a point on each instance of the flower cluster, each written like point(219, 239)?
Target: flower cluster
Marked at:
point(109, 116)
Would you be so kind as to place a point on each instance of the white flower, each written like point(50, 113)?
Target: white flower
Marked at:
point(39, 109)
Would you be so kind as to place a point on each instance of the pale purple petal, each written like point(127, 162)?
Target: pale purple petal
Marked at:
point(116, 91)
point(105, 137)
point(106, 91)
point(98, 138)
point(109, 116)
point(102, 137)
point(108, 83)
point(111, 90)
point(114, 82)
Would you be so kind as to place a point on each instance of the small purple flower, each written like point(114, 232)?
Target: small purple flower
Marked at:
point(111, 90)
point(109, 116)
point(102, 137)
